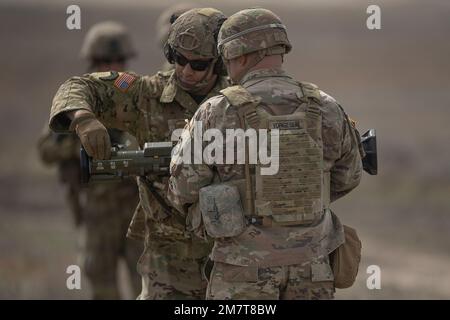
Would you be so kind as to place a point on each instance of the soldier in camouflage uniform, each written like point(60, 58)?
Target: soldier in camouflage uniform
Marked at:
point(273, 233)
point(102, 210)
point(150, 108)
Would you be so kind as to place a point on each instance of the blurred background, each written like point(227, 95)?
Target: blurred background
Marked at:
point(396, 80)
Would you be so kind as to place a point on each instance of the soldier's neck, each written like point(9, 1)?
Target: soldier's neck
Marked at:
point(269, 62)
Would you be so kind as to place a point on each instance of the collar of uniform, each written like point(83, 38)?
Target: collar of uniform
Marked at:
point(173, 92)
point(263, 73)
point(170, 89)
point(221, 83)
point(189, 103)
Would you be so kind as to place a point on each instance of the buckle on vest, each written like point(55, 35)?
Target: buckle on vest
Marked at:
point(255, 220)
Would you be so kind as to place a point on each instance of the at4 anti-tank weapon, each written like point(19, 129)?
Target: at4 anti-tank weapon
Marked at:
point(154, 159)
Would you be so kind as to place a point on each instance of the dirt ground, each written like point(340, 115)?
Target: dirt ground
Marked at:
point(396, 80)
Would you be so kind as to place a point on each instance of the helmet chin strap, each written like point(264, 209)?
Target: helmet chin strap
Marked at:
point(202, 83)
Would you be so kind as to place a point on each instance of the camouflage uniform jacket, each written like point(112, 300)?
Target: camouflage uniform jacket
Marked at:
point(271, 246)
point(148, 107)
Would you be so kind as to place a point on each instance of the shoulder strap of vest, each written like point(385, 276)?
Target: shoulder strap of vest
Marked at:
point(311, 96)
point(310, 91)
point(244, 102)
point(237, 95)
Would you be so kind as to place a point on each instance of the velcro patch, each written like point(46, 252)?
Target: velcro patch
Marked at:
point(124, 81)
point(111, 76)
point(286, 124)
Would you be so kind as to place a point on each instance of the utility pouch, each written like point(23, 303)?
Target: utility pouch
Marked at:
point(345, 259)
point(221, 209)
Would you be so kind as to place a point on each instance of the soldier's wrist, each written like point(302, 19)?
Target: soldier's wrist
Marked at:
point(79, 117)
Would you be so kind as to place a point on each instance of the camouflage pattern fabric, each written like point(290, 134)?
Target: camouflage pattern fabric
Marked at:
point(195, 31)
point(163, 23)
point(108, 211)
point(102, 211)
point(167, 66)
point(63, 151)
point(169, 272)
point(266, 247)
point(253, 30)
point(311, 280)
point(150, 108)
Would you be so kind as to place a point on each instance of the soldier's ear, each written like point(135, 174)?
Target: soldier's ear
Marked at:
point(244, 60)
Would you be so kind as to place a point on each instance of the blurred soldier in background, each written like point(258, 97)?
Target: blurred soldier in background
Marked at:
point(164, 22)
point(151, 108)
point(102, 210)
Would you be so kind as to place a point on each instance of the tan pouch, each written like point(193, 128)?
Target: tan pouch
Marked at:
point(345, 259)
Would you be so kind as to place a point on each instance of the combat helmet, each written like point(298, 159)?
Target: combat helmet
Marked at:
point(107, 40)
point(195, 31)
point(252, 30)
point(167, 17)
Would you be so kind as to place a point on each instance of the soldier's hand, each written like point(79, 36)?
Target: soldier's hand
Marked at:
point(93, 136)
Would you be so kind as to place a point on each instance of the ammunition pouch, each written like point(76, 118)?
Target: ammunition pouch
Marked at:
point(345, 259)
point(221, 210)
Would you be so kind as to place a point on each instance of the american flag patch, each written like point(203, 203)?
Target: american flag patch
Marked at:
point(124, 81)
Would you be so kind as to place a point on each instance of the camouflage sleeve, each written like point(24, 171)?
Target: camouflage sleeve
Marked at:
point(186, 178)
point(115, 98)
point(54, 148)
point(46, 147)
point(341, 149)
point(136, 228)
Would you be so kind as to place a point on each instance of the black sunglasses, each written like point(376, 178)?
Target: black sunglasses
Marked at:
point(196, 65)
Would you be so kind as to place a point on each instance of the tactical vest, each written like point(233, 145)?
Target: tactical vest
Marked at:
point(299, 192)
